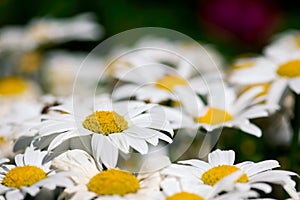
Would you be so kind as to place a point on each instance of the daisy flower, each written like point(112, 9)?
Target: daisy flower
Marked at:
point(272, 91)
point(14, 38)
point(284, 45)
point(284, 73)
point(29, 175)
point(14, 88)
point(111, 127)
point(226, 109)
point(173, 189)
point(93, 182)
point(80, 27)
point(60, 69)
point(221, 164)
point(161, 82)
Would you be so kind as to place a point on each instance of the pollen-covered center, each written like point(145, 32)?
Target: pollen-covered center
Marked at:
point(23, 176)
point(215, 174)
point(12, 86)
point(289, 69)
point(105, 122)
point(214, 116)
point(113, 182)
point(168, 82)
point(185, 196)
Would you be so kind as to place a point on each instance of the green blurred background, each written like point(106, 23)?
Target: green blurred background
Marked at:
point(189, 17)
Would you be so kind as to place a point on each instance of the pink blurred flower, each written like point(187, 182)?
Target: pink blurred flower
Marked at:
point(247, 21)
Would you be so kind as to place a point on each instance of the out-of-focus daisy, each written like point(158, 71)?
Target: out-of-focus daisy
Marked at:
point(172, 66)
point(272, 91)
point(29, 175)
point(20, 119)
point(60, 69)
point(109, 127)
point(173, 189)
point(283, 73)
point(221, 164)
point(95, 183)
point(165, 51)
point(14, 38)
point(226, 109)
point(81, 27)
point(14, 88)
point(284, 45)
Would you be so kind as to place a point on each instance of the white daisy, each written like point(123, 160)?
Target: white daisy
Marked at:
point(173, 189)
point(284, 45)
point(20, 119)
point(29, 175)
point(284, 72)
point(226, 109)
point(80, 27)
point(272, 91)
point(221, 164)
point(14, 38)
point(60, 70)
point(107, 128)
point(95, 183)
point(148, 75)
point(14, 88)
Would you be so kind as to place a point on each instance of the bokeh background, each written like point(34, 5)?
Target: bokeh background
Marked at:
point(233, 26)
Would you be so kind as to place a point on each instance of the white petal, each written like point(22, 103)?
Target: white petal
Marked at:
point(295, 85)
point(138, 144)
point(204, 166)
point(125, 91)
point(219, 157)
point(31, 190)
point(247, 127)
point(104, 150)
point(19, 159)
point(61, 138)
point(170, 186)
point(244, 100)
point(262, 186)
point(120, 140)
point(190, 101)
point(276, 91)
point(262, 166)
point(14, 195)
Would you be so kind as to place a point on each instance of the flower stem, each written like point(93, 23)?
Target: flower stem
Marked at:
point(296, 127)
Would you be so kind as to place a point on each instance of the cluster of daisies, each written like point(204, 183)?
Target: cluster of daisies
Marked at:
point(81, 147)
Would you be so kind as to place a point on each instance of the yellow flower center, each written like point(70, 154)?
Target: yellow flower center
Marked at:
point(168, 82)
point(290, 69)
point(215, 174)
point(23, 176)
point(12, 86)
point(30, 62)
point(214, 116)
point(105, 122)
point(184, 196)
point(113, 182)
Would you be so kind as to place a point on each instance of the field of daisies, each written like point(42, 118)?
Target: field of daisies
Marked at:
point(158, 118)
